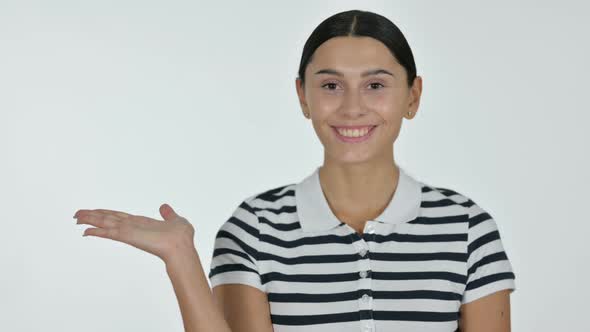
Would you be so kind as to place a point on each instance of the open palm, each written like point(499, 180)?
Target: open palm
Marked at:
point(158, 237)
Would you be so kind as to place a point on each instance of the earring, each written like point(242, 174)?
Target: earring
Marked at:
point(306, 114)
point(409, 113)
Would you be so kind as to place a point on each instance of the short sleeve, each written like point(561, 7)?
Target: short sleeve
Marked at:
point(489, 269)
point(235, 251)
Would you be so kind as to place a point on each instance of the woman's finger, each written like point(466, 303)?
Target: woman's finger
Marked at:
point(99, 219)
point(119, 214)
point(107, 233)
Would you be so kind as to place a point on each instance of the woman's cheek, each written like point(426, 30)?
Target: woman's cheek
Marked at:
point(326, 101)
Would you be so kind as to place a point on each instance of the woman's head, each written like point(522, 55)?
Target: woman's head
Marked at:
point(334, 92)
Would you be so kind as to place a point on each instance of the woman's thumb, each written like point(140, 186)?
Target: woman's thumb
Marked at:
point(167, 212)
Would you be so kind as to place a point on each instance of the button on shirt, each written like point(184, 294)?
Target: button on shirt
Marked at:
point(431, 250)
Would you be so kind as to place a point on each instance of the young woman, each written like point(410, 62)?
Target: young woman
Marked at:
point(359, 244)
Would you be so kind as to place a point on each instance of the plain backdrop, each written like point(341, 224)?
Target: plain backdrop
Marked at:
point(126, 105)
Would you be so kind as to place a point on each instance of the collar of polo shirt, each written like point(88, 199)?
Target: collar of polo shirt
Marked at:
point(315, 214)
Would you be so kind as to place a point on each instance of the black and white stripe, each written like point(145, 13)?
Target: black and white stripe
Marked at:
point(431, 250)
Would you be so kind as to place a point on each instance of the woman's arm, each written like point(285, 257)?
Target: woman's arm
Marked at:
point(490, 313)
point(171, 240)
point(197, 307)
point(245, 308)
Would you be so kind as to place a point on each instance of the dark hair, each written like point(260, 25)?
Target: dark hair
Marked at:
point(360, 23)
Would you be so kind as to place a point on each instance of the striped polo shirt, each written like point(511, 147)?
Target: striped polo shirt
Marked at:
point(431, 250)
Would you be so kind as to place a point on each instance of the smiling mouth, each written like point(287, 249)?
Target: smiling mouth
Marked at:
point(355, 131)
point(358, 134)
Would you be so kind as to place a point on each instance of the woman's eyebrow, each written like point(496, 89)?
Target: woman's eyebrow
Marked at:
point(364, 74)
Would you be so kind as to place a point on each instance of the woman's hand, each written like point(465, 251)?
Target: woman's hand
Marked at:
point(162, 238)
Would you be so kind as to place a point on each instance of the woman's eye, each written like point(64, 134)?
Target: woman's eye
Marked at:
point(331, 84)
point(373, 84)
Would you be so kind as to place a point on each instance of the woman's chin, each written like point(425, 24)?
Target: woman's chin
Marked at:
point(351, 157)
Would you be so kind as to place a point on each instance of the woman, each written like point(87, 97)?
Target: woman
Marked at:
point(359, 244)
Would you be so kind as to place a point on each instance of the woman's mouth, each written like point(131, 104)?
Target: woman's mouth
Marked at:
point(354, 135)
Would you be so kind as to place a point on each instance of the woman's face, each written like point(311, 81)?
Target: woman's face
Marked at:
point(338, 95)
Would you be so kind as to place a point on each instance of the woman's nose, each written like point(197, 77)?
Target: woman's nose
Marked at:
point(352, 103)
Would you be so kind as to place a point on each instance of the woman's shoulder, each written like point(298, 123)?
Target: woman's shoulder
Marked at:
point(436, 195)
point(272, 198)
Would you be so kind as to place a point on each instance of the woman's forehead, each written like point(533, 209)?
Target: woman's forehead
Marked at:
point(353, 56)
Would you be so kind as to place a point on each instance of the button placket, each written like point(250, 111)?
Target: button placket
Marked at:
point(363, 252)
point(367, 325)
point(364, 269)
point(364, 264)
point(365, 301)
point(365, 287)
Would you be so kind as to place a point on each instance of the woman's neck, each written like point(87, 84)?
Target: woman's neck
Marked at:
point(358, 193)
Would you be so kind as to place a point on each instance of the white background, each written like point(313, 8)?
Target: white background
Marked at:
point(126, 105)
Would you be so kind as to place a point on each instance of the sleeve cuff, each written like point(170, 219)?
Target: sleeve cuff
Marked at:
point(237, 277)
point(488, 289)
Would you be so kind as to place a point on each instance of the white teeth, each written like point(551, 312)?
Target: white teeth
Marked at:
point(353, 133)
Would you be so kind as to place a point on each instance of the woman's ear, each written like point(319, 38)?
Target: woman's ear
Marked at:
point(301, 95)
point(415, 94)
